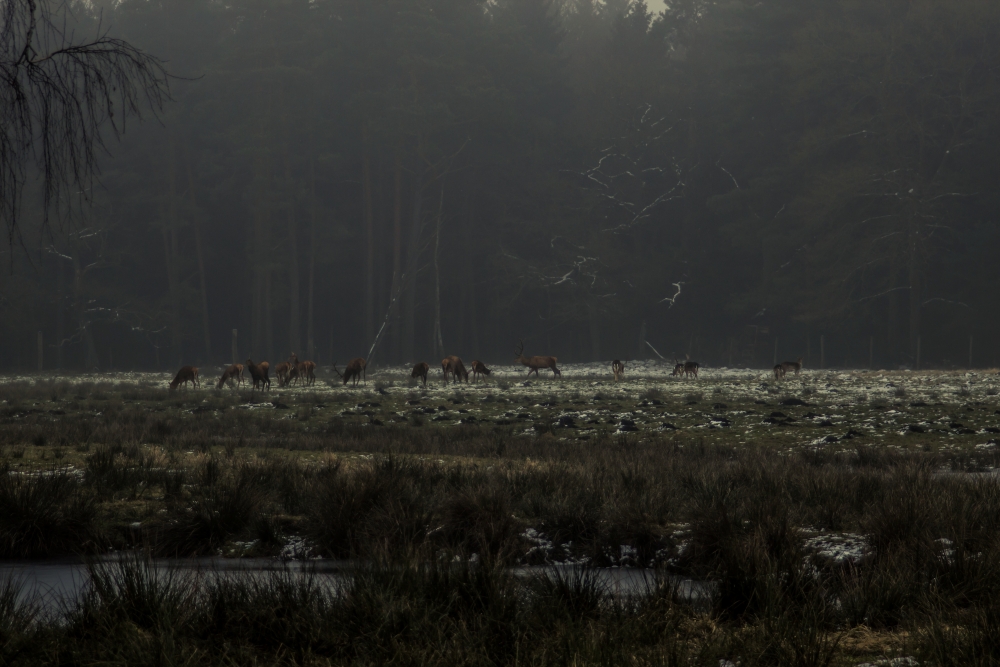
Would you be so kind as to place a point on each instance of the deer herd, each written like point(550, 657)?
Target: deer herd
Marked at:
point(304, 372)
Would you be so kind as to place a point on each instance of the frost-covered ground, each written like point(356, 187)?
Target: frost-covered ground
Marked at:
point(930, 411)
point(816, 408)
point(737, 383)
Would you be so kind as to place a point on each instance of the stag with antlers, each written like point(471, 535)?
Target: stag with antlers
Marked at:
point(355, 370)
point(534, 363)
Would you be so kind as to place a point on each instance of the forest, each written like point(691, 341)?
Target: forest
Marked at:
point(728, 180)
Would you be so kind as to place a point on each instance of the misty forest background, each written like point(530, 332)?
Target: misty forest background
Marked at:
point(552, 170)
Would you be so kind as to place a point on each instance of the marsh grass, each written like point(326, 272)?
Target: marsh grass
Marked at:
point(139, 613)
point(416, 506)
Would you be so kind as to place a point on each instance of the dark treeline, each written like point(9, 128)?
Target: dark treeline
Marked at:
point(583, 175)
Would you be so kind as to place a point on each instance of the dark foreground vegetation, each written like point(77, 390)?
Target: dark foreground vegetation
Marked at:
point(436, 520)
point(480, 615)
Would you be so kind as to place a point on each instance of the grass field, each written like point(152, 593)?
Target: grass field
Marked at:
point(840, 517)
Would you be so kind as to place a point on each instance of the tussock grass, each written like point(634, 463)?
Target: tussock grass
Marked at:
point(195, 473)
point(45, 515)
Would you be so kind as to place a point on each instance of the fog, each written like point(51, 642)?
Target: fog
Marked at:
point(737, 183)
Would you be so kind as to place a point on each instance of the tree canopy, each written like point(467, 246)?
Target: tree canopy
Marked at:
point(581, 174)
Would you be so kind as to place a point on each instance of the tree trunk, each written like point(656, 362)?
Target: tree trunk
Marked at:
point(294, 317)
point(412, 259)
point(397, 248)
point(366, 183)
point(258, 256)
point(470, 280)
point(915, 294)
point(205, 322)
point(310, 320)
point(438, 338)
point(268, 316)
point(60, 311)
point(171, 255)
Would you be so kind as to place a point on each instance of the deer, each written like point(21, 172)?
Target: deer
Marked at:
point(355, 369)
point(617, 369)
point(454, 366)
point(258, 373)
point(300, 370)
point(232, 372)
point(687, 368)
point(307, 371)
point(779, 372)
point(534, 363)
point(420, 371)
point(791, 366)
point(281, 372)
point(184, 375)
point(479, 368)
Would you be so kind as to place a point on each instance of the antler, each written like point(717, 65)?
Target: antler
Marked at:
point(335, 369)
point(520, 349)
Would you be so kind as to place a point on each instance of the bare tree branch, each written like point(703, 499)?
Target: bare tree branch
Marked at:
point(57, 97)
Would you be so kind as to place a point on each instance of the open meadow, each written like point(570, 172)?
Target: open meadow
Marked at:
point(829, 518)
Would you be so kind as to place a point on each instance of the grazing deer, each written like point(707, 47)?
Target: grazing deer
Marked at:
point(259, 374)
point(479, 368)
point(791, 366)
point(534, 363)
point(779, 372)
point(184, 375)
point(617, 369)
point(678, 369)
point(307, 370)
point(232, 372)
point(355, 369)
point(454, 366)
point(691, 368)
point(420, 371)
point(281, 372)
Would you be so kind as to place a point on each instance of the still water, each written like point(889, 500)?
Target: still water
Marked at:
point(58, 583)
